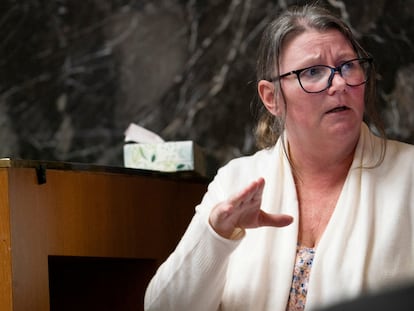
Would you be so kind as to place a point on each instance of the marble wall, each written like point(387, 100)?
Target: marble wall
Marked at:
point(74, 74)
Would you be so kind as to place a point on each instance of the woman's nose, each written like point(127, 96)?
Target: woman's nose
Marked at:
point(336, 82)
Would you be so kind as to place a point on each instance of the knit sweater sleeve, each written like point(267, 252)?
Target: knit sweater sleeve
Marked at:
point(194, 275)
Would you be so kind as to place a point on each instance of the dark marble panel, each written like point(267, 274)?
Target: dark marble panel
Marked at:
point(74, 74)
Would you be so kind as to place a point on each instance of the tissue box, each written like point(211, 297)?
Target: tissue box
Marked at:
point(165, 157)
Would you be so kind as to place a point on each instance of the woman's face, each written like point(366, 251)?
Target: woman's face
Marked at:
point(332, 115)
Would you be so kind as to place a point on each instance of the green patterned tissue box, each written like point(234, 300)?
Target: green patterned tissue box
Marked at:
point(165, 156)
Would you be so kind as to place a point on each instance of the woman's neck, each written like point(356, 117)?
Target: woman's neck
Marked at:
point(320, 167)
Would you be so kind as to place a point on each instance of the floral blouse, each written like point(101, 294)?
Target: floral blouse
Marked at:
point(301, 272)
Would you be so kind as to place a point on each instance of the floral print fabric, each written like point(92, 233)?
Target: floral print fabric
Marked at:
point(301, 272)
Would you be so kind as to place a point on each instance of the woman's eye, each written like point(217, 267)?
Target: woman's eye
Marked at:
point(348, 66)
point(314, 72)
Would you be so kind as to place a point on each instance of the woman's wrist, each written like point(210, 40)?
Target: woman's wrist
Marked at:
point(228, 233)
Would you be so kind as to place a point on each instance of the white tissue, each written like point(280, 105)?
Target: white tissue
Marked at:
point(138, 134)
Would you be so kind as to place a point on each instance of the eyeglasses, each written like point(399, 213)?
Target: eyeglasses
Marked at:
point(316, 79)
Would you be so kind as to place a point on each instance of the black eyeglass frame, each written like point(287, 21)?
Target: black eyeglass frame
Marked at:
point(333, 70)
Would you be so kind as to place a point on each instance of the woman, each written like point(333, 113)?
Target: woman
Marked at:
point(332, 205)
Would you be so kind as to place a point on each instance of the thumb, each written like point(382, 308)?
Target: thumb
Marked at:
point(275, 220)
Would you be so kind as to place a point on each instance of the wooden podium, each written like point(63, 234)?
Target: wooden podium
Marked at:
point(83, 237)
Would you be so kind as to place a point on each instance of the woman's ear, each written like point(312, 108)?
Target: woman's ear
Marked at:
point(270, 99)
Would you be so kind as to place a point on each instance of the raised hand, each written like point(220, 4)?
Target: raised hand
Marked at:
point(242, 211)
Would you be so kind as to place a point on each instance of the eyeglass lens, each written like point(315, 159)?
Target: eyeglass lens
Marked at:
point(318, 78)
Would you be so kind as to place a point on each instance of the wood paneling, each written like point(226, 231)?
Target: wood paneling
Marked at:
point(85, 214)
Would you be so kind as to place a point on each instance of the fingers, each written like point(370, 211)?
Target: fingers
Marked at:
point(252, 193)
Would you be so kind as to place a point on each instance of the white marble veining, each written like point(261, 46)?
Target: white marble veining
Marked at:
point(74, 74)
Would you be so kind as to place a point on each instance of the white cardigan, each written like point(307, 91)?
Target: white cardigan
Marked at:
point(367, 245)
